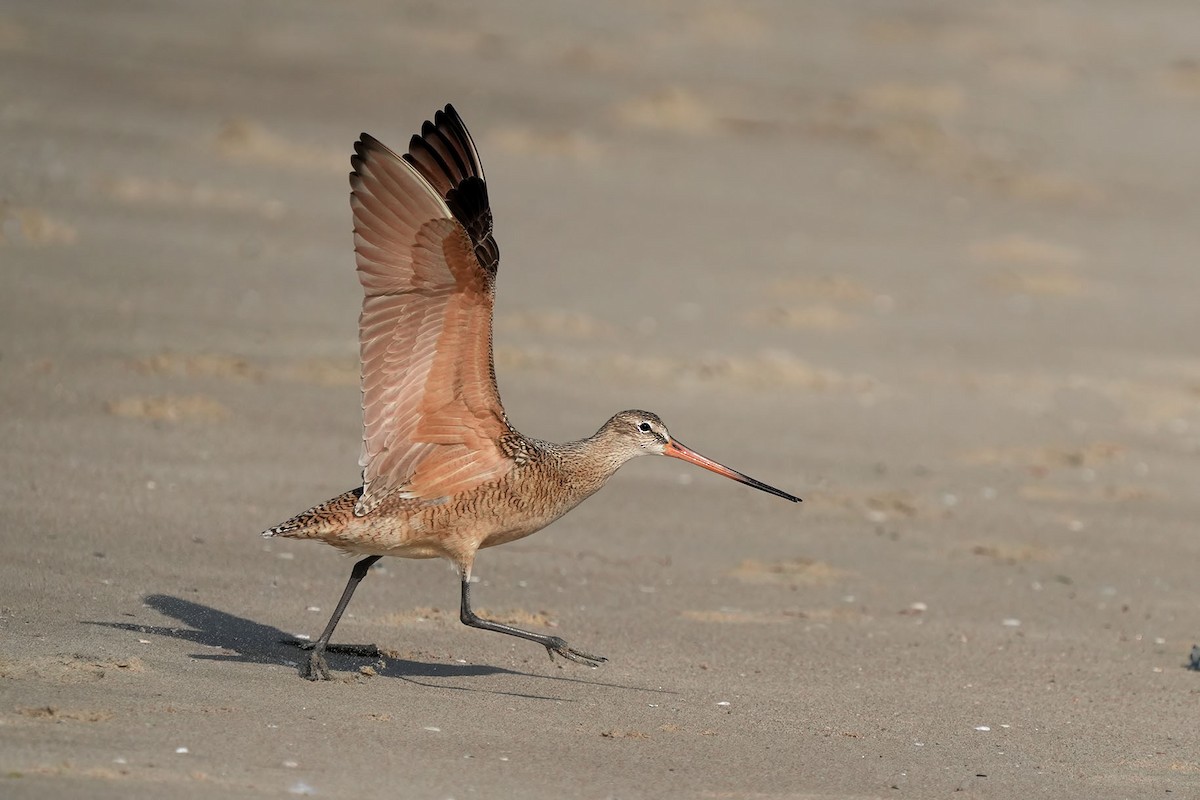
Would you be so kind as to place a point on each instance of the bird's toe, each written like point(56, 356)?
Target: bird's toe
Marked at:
point(559, 646)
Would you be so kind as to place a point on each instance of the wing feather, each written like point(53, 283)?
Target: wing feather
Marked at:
point(445, 155)
point(432, 417)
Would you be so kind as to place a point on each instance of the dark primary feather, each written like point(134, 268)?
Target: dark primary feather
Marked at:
point(445, 155)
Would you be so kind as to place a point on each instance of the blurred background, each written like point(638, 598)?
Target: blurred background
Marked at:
point(930, 265)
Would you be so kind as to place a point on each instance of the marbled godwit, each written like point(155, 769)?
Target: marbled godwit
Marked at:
point(444, 474)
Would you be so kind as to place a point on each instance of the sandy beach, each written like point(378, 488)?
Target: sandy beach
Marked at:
point(931, 266)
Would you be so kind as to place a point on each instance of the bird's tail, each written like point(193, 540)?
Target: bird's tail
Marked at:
point(318, 520)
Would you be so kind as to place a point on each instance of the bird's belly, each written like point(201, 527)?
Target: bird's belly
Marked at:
point(389, 546)
point(401, 535)
point(506, 536)
point(444, 529)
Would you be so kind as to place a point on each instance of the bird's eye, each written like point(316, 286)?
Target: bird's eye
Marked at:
point(644, 427)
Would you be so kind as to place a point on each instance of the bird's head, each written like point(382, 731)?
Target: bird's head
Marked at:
point(642, 433)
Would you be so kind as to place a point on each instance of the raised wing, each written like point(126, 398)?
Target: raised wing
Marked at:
point(431, 412)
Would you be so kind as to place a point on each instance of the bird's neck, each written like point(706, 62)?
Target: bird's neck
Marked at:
point(589, 463)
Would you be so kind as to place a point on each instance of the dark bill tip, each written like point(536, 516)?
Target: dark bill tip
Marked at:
point(676, 450)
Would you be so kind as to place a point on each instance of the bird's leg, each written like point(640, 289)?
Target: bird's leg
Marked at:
point(317, 669)
point(553, 644)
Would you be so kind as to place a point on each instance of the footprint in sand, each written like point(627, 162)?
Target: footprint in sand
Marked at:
point(159, 192)
point(1012, 554)
point(168, 408)
point(314, 371)
point(824, 303)
point(68, 668)
point(789, 572)
point(196, 365)
point(1025, 265)
point(731, 616)
point(55, 714)
point(919, 126)
point(1047, 457)
point(553, 323)
point(1180, 79)
point(672, 109)
point(33, 227)
point(728, 26)
point(546, 145)
point(242, 139)
point(1087, 495)
point(771, 370)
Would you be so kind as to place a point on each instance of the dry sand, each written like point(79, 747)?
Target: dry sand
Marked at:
point(933, 266)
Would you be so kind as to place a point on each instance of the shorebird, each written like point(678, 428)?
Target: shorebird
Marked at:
point(443, 472)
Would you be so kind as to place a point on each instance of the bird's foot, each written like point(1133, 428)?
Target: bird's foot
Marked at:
point(556, 645)
point(315, 669)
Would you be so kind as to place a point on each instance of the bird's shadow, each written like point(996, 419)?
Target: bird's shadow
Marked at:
point(244, 640)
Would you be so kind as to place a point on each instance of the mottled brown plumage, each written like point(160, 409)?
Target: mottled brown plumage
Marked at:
point(444, 474)
point(546, 481)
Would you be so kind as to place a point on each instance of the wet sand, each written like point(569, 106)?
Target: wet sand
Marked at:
point(931, 266)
